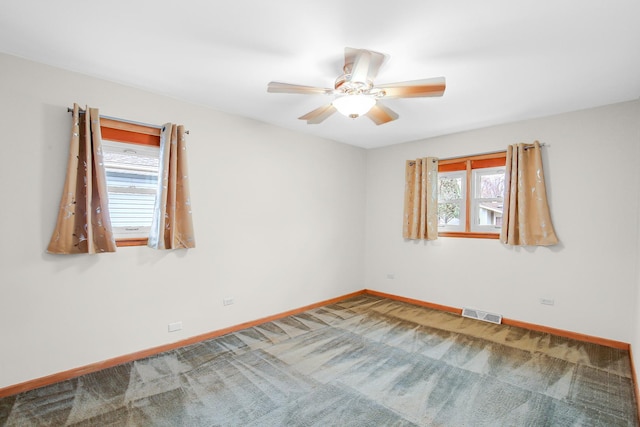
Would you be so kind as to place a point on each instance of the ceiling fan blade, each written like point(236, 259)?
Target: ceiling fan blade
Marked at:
point(319, 114)
point(278, 87)
point(362, 64)
point(381, 114)
point(349, 58)
point(415, 88)
point(360, 71)
point(377, 59)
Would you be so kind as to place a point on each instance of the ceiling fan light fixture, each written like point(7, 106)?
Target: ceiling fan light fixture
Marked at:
point(354, 106)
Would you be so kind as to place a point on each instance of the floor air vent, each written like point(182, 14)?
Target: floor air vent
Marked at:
point(482, 315)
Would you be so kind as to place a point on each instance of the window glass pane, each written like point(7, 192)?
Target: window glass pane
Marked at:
point(132, 181)
point(451, 196)
point(491, 185)
point(449, 187)
point(131, 202)
point(487, 204)
point(449, 214)
point(139, 158)
point(489, 214)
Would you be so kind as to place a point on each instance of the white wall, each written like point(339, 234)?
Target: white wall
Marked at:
point(279, 225)
point(278, 219)
point(635, 341)
point(591, 167)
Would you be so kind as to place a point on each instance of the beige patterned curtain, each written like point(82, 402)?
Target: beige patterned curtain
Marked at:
point(421, 199)
point(83, 224)
point(526, 218)
point(172, 226)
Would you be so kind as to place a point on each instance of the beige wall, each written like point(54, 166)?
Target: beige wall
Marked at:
point(278, 220)
point(591, 166)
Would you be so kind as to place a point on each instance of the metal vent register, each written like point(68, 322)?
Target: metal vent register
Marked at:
point(482, 315)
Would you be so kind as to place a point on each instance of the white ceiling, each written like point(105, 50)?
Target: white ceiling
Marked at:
point(504, 60)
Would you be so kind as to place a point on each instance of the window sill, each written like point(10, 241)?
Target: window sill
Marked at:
point(469, 235)
point(132, 242)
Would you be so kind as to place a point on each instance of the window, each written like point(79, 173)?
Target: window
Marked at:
point(470, 196)
point(131, 158)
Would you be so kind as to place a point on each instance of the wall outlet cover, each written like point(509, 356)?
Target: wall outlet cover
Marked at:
point(175, 326)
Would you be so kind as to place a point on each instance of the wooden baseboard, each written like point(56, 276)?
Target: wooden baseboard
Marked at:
point(76, 372)
point(415, 302)
point(568, 334)
point(511, 322)
point(634, 378)
point(539, 328)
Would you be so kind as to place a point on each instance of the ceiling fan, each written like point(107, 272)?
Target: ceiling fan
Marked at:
point(355, 93)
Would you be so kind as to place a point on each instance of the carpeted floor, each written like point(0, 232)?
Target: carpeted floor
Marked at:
point(366, 361)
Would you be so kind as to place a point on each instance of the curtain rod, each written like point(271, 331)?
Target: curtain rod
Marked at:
point(526, 147)
point(81, 111)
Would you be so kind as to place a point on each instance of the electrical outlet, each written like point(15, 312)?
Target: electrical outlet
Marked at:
point(175, 326)
point(391, 275)
point(547, 301)
point(227, 301)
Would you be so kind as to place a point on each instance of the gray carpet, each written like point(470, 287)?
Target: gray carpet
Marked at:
point(366, 361)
